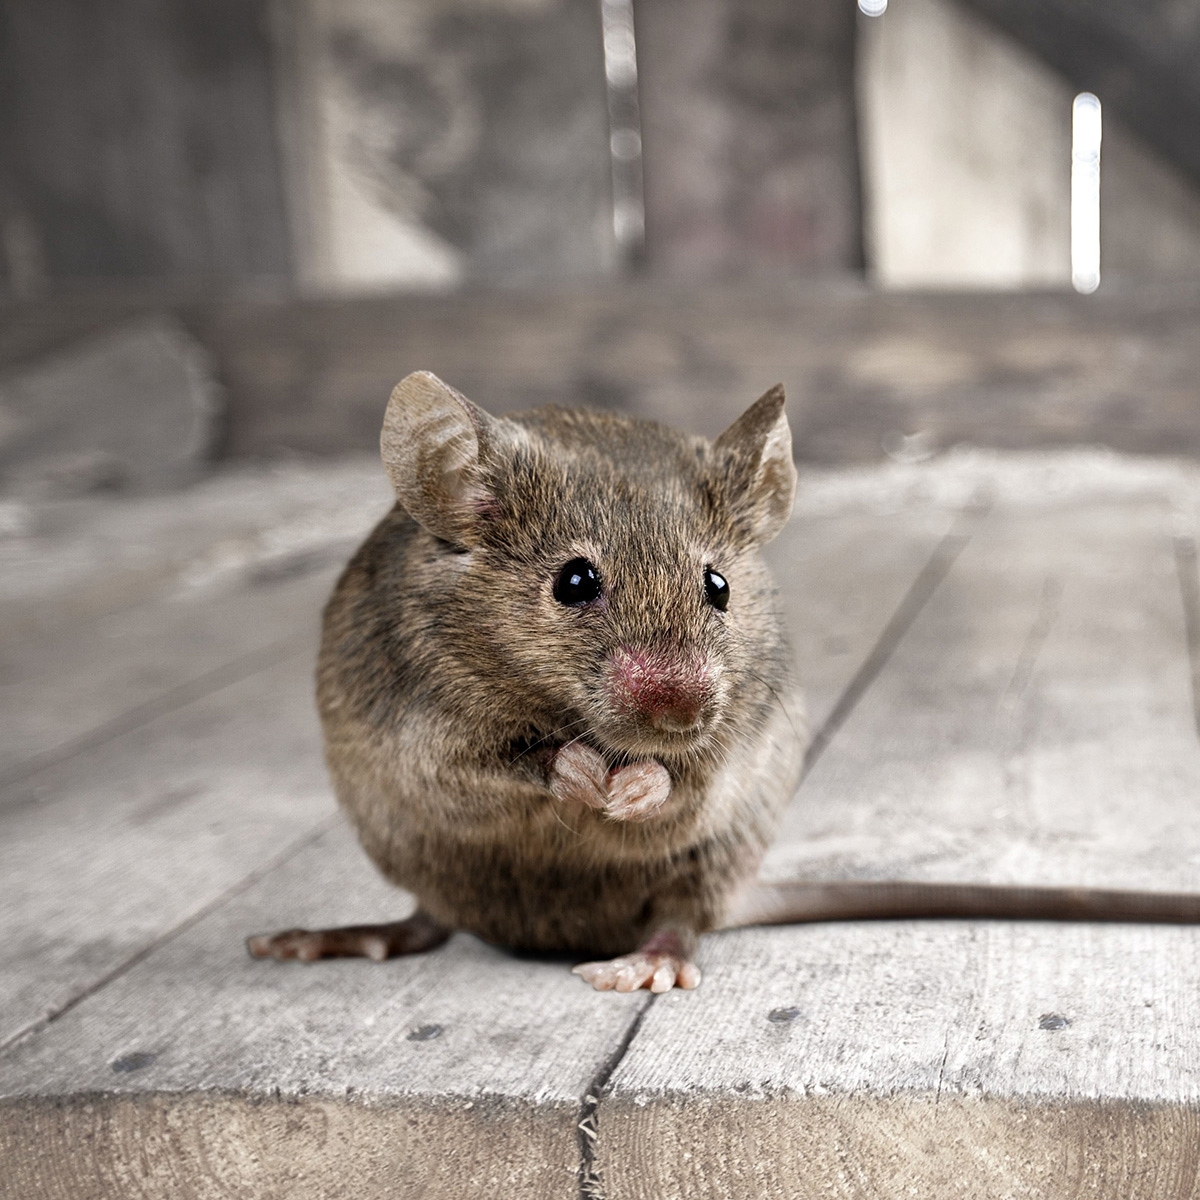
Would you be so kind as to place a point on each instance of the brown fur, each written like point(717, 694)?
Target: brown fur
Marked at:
point(495, 748)
point(449, 676)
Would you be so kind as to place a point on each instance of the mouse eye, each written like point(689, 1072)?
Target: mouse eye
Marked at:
point(577, 583)
point(716, 590)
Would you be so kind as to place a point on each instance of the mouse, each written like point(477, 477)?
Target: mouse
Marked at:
point(558, 705)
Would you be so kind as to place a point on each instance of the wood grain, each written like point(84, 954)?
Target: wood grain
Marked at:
point(835, 615)
point(1035, 725)
point(460, 1072)
point(141, 142)
point(106, 852)
point(172, 1064)
point(111, 613)
point(863, 370)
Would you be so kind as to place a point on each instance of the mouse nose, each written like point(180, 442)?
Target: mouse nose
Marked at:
point(666, 688)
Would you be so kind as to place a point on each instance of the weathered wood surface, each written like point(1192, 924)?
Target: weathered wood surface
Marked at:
point(109, 613)
point(126, 680)
point(1036, 724)
point(863, 370)
point(459, 1073)
point(116, 846)
point(835, 625)
point(998, 653)
point(160, 1060)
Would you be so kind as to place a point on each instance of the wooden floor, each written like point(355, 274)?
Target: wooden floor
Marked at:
point(1001, 657)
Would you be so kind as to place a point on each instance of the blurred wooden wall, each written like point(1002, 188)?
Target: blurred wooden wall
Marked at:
point(1142, 57)
point(751, 153)
point(326, 146)
point(138, 140)
point(339, 144)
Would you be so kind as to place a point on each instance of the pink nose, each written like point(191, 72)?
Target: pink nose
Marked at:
point(667, 688)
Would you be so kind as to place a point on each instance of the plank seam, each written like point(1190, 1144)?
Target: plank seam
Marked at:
point(918, 595)
point(170, 701)
point(1189, 591)
point(591, 1186)
point(1035, 641)
point(244, 884)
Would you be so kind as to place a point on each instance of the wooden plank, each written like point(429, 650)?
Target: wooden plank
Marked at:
point(119, 845)
point(1046, 702)
point(461, 1072)
point(473, 1067)
point(74, 560)
point(102, 677)
point(123, 608)
point(1035, 725)
point(863, 369)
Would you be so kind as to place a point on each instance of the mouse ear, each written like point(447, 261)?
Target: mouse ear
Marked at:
point(436, 446)
point(757, 475)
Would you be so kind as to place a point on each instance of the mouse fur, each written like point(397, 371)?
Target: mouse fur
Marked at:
point(596, 768)
point(450, 679)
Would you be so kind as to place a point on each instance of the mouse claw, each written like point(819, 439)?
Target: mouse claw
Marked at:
point(630, 793)
point(376, 942)
point(656, 971)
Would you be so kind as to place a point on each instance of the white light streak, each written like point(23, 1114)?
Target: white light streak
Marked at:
point(620, 49)
point(872, 8)
point(624, 127)
point(1085, 193)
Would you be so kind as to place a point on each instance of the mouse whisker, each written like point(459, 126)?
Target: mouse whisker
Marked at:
point(546, 737)
point(779, 700)
point(576, 833)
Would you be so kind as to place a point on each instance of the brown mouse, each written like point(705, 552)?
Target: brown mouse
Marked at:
point(558, 704)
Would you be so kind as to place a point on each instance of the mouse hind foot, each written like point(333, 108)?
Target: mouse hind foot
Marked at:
point(661, 963)
point(413, 935)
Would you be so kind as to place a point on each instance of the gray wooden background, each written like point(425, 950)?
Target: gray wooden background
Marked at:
point(171, 142)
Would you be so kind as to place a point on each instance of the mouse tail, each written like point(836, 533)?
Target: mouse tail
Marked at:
point(793, 903)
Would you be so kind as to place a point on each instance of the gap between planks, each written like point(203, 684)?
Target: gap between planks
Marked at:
point(180, 696)
point(245, 883)
point(1189, 588)
point(917, 596)
point(591, 1186)
point(920, 591)
point(937, 564)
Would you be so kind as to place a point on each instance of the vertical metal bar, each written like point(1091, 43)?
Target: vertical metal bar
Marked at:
point(624, 130)
point(1085, 192)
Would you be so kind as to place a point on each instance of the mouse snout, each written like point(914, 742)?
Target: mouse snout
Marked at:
point(667, 688)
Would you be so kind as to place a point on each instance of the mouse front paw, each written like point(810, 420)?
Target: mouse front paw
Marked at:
point(631, 793)
point(580, 776)
point(638, 791)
